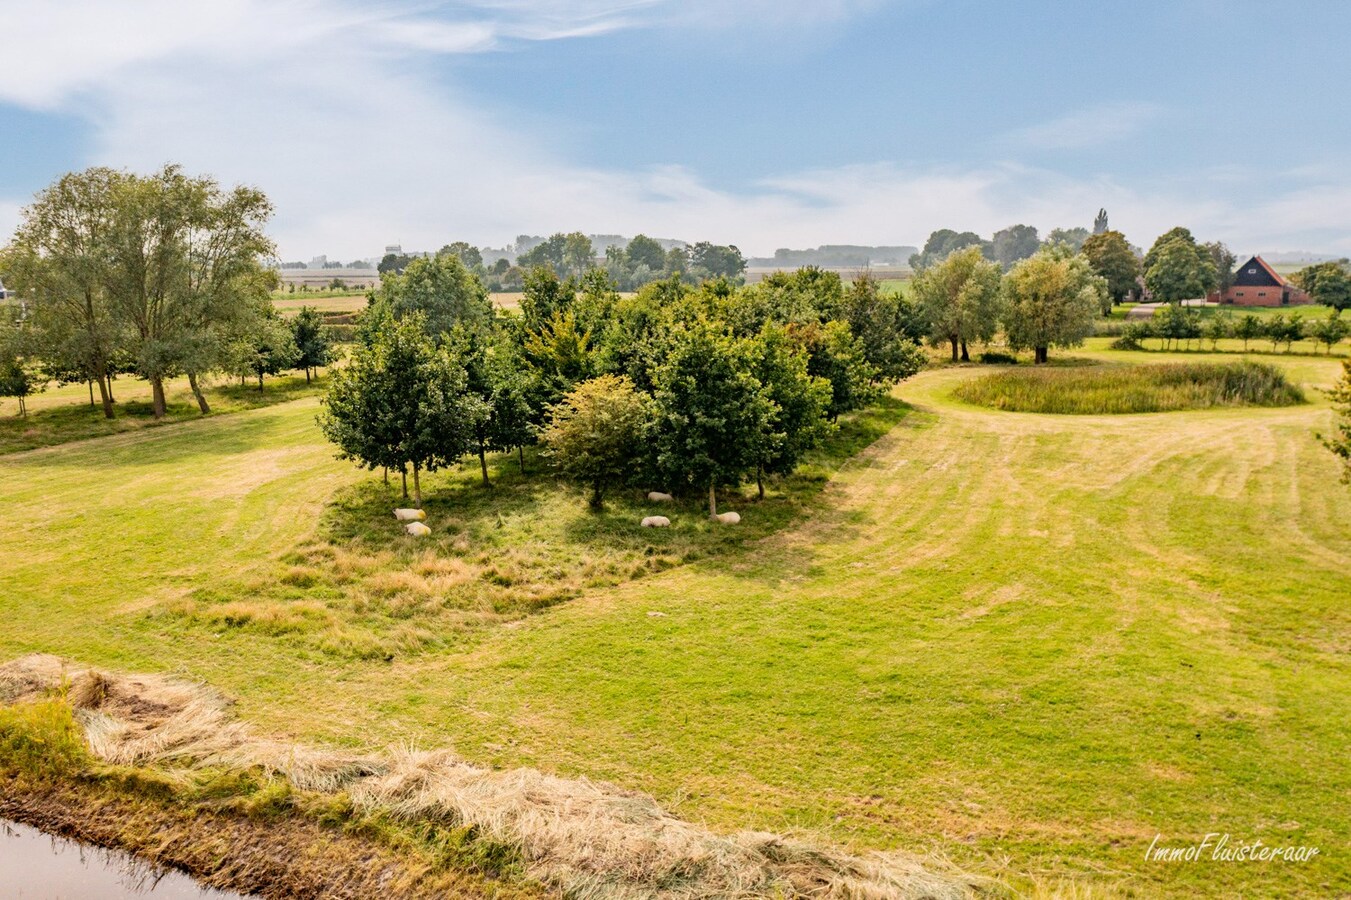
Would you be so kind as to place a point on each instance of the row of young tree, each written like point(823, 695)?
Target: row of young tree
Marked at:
point(158, 276)
point(641, 261)
point(687, 388)
point(1180, 326)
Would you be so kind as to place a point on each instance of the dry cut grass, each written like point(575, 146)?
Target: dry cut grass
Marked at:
point(1132, 389)
point(580, 837)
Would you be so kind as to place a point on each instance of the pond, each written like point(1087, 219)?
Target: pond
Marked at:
point(38, 866)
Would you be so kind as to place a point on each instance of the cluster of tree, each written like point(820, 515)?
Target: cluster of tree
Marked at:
point(856, 256)
point(629, 266)
point(1180, 326)
point(1328, 283)
point(157, 275)
point(1050, 299)
point(690, 388)
point(1175, 268)
point(1006, 246)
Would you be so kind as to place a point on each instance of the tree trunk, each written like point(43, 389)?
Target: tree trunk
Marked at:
point(417, 487)
point(91, 393)
point(712, 501)
point(520, 456)
point(966, 356)
point(157, 402)
point(1040, 355)
point(111, 398)
point(307, 374)
point(760, 480)
point(197, 392)
point(23, 409)
point(260, 382)
point(954, 348)
point(403, 473)
point(597, 500)
point(483, 464)
point(105, 395)
point(384, 470)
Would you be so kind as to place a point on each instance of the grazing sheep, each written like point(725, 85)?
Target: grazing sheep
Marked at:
point(410, 515)
point(728, 518)
point(656, 522)
point(417, 529)
point(659, 497)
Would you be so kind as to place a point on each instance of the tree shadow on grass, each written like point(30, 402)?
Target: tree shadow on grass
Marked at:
point(363, 587)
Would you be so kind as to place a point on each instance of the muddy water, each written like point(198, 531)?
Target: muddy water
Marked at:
point(36, 866)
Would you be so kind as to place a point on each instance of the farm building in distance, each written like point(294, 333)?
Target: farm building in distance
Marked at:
point(1258, 284)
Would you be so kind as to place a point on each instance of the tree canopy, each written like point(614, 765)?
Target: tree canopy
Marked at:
point(959, 299)
point(1111, 258)
point(1052, 299)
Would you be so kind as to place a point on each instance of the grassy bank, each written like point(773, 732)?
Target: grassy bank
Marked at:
point(1027, 643)
point(63, 414)
point(1112, 390)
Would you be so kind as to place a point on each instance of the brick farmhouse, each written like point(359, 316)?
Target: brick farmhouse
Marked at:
point(1258, 284)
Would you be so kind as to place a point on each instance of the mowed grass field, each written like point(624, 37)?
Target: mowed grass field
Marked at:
point(1028, 643)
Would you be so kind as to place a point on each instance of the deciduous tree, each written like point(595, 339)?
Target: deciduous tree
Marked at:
point(595, 434)
point(1111, 258)
point(1051, 300)
point(959, 299)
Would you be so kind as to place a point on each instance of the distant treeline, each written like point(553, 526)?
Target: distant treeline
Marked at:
point(837, 256)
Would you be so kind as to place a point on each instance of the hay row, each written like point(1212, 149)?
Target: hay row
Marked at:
point(585, 839)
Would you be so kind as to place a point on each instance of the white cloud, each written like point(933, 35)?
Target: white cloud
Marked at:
point(359, 148)
point(1093, 127)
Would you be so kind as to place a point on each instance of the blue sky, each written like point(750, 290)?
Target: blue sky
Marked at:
point(762, 123)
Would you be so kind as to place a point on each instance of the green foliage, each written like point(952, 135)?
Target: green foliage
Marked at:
point(1248, 328)
point(959, 299)
point(1218, 327)
point(834, 354)
point(1111, 258)
point(711, 412)
point(1014, 243)
point(312, 342)
point(1051, 299)
point(401, 401)
point(40, 739)
point(1177, 269)
point(441, 290)
point(1328, 283)
point(595, 433)
point(19, 377)
point(1074, 238)
point(716, 261)
point(942, 244)
point(467, 254)
point(1340, 443)
point(799, 403)
point(888, 327)
point(259, 345)
point(1223, 260)
point(1330, 331)
point(1177, 325)
point(1133, 389)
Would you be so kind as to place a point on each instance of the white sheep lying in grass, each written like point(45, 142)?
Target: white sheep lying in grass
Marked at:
point(728, 518)
point(659, 497)
point(410, 515)
point(417, 529)
point(656, 522)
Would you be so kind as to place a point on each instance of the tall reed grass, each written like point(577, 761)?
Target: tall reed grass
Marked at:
point(1132, 389)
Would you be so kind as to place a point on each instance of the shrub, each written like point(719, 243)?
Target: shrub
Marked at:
point(1133, 389)
point(996, 358)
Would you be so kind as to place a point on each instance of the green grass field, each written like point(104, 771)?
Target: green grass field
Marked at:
point(1029, 643)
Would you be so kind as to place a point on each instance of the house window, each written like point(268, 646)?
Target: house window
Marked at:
point(1261, 293)
point(1252, 271)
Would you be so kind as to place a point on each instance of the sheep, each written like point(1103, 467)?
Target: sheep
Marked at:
point(410, 515)
point(417, 529)
point(727, 518)
point(656, 522)
point(659, 497)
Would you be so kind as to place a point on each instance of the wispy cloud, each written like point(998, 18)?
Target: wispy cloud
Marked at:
point(1093, 127)
point(252, 92)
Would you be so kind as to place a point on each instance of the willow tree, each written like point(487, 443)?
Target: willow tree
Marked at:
point(1051, 299)
point(959, 299)
point(184, 256)
point(60, 262)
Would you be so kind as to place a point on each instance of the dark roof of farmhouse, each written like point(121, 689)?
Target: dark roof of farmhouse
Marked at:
point(1256, 273)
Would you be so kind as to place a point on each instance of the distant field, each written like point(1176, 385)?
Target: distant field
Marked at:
point(1027, 643)
point(324, 302)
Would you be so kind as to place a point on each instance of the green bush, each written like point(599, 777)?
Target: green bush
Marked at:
point(1133, 389)
point(996, 358)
